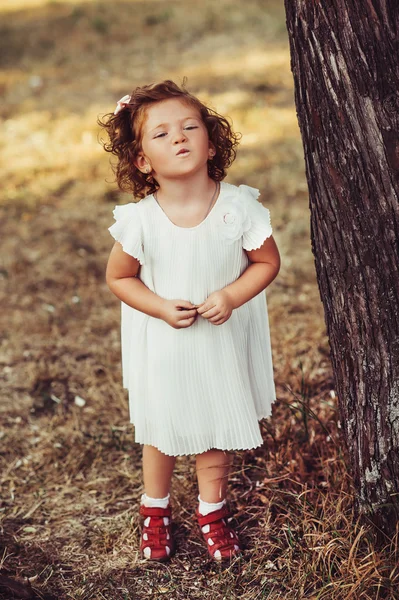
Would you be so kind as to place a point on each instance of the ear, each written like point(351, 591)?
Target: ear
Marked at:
point(141, 162)
point(212, 149)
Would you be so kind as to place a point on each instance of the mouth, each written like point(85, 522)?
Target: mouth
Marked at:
point(183, 151)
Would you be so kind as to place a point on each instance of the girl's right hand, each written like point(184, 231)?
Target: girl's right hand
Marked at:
point(179, 313)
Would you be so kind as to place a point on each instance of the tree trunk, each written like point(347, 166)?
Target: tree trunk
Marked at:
point(344, 59)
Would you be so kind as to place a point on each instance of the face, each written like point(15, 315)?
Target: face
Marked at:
point(175, 141)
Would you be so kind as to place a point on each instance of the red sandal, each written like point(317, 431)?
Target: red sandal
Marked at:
point(156, 535)
point(221, 540)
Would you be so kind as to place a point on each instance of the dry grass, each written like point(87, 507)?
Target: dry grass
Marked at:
point(71, 475)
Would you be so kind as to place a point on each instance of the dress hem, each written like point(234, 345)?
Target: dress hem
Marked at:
point(200, 451)
point(210, 447)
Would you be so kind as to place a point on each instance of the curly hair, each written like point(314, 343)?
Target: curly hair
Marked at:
point(125, 134)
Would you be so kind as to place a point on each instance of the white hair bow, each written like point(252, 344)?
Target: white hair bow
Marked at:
point(122, 103)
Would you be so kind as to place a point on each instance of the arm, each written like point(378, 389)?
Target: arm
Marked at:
point(122, 280)
point(264, 267)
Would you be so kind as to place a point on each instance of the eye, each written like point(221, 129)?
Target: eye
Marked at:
point(191, 127)
point(159, 135)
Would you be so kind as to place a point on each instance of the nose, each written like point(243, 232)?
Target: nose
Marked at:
point(179, 137)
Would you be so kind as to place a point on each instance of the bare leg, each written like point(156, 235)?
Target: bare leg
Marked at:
point(213, 469)
point(157, 471)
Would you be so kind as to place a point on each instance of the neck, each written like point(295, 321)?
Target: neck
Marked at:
point(186, 191)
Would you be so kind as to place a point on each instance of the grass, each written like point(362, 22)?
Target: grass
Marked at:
point(71, 477)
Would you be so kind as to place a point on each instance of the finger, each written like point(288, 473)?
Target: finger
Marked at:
point(186, 323)
point(202, 308)
point(184, 304)
point(216, 318)
point(206, 308)
point(187, 314)
point(212, 312)
point(219, 322)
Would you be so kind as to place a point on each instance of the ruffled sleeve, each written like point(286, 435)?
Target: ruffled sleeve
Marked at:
point(260, 227)
point(127, 230)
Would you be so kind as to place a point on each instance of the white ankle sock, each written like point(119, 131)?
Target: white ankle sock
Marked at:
point(155, 502)
point(207, 507)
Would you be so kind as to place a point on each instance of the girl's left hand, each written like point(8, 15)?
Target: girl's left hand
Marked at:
point(217, 308)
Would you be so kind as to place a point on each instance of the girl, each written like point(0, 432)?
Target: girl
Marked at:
point(190, 263)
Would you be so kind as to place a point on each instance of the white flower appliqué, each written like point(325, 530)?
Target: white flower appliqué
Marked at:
point(232, 219)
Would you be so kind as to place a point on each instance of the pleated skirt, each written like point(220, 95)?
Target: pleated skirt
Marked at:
point(200, 387)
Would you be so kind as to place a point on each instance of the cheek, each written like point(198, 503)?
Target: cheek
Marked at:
point(205, 143)
point(153, 152)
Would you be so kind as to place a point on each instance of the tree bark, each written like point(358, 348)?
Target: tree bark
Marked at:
point(344, 60)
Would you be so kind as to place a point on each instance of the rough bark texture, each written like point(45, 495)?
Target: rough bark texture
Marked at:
point(344, 59)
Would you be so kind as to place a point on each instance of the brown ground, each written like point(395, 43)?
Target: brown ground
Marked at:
point(71, 475)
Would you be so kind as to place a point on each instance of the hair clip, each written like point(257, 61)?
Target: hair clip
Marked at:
point(122, 103)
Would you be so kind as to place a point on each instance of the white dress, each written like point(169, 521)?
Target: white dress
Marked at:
point(204, 386)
